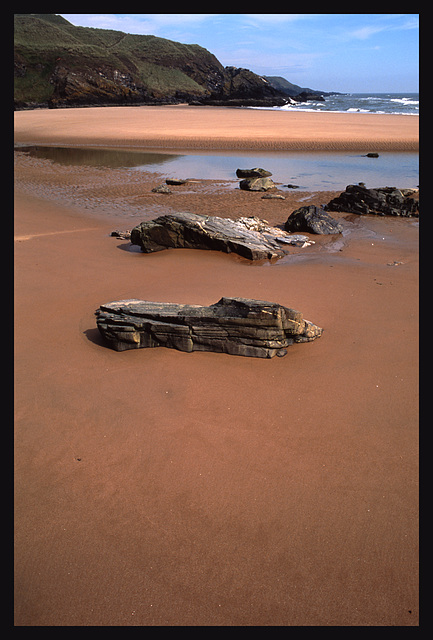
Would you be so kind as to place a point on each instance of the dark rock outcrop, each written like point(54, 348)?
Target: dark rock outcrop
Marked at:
point(237, 326)
point(241, 86)
point(295, 92)
point(257, 172)
point(308, 96)
point(314, 220)
point(251, 237)
point(383, 201)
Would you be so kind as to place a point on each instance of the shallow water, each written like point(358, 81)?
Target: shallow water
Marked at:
point(316, 171)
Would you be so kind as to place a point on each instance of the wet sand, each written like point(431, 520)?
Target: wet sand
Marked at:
point(158, 488)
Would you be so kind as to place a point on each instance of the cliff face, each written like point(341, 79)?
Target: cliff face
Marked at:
point(57, 64)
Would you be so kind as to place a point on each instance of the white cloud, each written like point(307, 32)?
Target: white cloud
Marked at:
point(268, 62)
point(365, 32)
point(278, 18)
point(387, 23)
point(139, 23)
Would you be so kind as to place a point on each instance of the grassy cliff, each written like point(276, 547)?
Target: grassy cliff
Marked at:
point(59, 64)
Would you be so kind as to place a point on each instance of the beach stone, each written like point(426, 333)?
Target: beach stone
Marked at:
point(314, 220)
point(256, 184)
point(162, 188)
point(292, 186)
point(125, 235)
point(257, 172)
point(175, 181)
point(273, 196)
point(381, 201)
point(237, 326)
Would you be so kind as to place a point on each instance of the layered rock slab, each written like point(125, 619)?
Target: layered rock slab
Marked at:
point(382, 201)
point(236, 326)
point(251, 237)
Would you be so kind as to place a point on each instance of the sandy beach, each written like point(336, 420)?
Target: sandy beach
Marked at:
point(218, 128)
point(159, 488)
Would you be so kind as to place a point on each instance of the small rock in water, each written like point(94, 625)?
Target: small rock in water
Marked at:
point(175, 181)
point(256, 184)
point(257, 172)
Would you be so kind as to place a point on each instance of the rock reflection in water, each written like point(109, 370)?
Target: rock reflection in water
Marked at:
point(101, 157)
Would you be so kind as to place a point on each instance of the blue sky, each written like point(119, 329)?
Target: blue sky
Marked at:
point(365, 52)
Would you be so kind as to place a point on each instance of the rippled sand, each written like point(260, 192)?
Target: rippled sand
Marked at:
point(159, 488)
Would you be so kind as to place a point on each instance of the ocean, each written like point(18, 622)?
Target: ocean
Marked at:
point(400, 103)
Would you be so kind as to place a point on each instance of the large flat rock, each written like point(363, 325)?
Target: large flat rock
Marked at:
point(250, 237)
point(237, 326)
point(382, 201)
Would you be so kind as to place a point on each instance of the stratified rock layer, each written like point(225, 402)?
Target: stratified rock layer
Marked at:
point(237, 326)
point(383, 201)
point(251, 238)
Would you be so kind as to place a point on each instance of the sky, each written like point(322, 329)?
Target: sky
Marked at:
point(351, 53)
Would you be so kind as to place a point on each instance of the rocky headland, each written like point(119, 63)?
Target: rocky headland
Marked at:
point(57, 64)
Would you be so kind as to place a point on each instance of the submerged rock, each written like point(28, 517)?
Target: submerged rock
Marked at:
point(237, 326)
point(250, 237)
point(314, 220)
point(381, 201)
